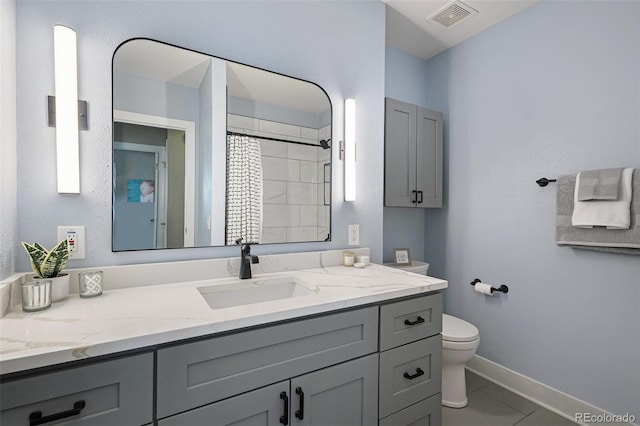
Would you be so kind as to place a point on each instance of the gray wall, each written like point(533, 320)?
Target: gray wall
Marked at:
point(8, 172)
point(257, 33)
point(552, 91)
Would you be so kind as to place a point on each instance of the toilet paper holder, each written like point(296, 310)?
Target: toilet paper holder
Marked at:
point(502, 289)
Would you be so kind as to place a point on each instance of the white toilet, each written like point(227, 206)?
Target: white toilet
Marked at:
point(460, 340)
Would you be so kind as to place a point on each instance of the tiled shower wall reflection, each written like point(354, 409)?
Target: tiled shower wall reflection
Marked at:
point(296, 182)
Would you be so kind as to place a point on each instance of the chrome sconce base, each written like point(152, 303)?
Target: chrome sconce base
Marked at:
point(83, 117)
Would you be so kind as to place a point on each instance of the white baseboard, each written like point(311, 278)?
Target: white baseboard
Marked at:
point(552, 399)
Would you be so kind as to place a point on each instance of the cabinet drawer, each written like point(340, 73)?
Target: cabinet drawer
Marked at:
point(410, 320)
point(427, 412)
point(199, 373)
point(118, 392)
point(421, 361)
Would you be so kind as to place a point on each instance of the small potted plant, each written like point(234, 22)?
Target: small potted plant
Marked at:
point(48, 265)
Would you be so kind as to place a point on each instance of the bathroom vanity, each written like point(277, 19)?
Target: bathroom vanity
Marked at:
point(360, 347)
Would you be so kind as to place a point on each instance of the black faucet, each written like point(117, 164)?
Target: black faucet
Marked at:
point(246, 259)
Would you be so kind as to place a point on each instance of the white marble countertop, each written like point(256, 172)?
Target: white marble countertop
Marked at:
point(138, 317)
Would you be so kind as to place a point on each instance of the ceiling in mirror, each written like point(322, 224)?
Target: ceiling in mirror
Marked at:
point(207, 151)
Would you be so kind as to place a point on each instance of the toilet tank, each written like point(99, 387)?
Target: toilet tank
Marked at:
point(416, 267)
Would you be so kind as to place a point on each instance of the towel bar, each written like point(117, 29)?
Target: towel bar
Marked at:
point(502, 289)
point(544, 181)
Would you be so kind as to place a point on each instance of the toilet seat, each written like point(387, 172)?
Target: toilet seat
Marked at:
point(461, 346)
point(457, 330)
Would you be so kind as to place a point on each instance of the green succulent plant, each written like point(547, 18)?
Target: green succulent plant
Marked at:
point(45, 263)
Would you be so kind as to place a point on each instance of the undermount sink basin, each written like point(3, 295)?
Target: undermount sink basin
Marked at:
point(257, 290)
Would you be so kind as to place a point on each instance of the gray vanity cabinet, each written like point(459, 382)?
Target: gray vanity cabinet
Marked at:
point(199, 373)
point(413, 156)
point(339, 369)
point(411, 362)
point(342, 395)
point(116, 392)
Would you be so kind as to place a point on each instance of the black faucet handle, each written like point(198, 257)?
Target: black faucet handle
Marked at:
point(248, 243)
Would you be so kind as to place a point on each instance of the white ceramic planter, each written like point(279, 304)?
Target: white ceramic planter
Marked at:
point(59, 287)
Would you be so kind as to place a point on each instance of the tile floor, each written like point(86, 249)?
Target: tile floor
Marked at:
point(492, 405)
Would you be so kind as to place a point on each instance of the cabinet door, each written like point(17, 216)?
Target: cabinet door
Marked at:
point(343, 395)
point(262, 407)
point(399, 154)
point(429, 158)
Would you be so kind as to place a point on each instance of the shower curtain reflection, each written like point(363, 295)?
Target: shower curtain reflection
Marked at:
point(244, 190)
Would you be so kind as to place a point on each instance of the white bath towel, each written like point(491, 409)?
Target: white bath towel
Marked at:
point(612, 214)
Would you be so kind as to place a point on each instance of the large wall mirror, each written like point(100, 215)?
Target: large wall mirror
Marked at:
point(207, 151)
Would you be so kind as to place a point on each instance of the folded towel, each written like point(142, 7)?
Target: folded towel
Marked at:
point(601, 239)
point(612, 214)
point(600, 185)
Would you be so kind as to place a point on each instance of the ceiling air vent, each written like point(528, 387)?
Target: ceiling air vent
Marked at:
point(453, 13)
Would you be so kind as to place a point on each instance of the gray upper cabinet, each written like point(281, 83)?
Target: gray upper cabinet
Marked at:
point(413, 155)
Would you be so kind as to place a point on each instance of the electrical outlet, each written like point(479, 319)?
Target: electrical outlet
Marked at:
point(75, 236)
point(354, 235)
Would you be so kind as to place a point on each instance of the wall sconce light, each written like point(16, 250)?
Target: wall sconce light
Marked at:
point(349, 150)
point(66, 113)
